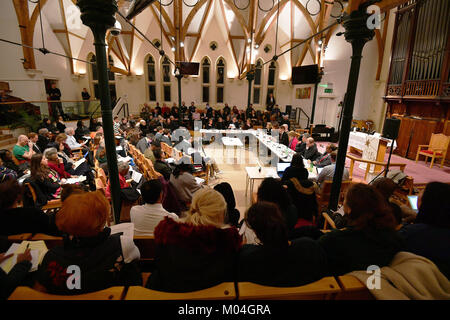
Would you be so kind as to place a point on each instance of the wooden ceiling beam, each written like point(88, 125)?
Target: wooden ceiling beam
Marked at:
point(202, 25)
point(230, 37)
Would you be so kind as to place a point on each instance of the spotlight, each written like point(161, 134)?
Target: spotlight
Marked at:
point(181, 44)
point(173, 49)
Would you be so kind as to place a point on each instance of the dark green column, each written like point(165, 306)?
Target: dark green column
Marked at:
point(250, 77)
point(179, 76)
point(357, 33)
point(99, 16)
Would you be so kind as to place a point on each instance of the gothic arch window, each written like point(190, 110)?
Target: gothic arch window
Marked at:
point(206, 67)
point(166, 79)
point(94, 78)
point(151, 78)
point(257, 85)
point(220, 80)
point(271, 78)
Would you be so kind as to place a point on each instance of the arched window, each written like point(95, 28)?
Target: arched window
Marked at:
point(151, 79)
point(205, 80)
point(220, 80)
point(257, 84)
point(166, 79)
point(94, 79)
point(271, 79)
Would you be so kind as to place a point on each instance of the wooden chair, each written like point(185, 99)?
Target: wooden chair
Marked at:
point(323, 289)
point(102, 176)
point(223, 291)
point(324, 197)
point(352, 289)
point(328, 221)
point(26, 293)
point(50, 241)
point(51, 205)
point(436, 149)
point(19, 237)
point(146, 246)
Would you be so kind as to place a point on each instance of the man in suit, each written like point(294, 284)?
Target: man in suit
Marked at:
point(301, 146)
point(285, 120)
point(327, 172)
point(284, 138)
point(144, 143)
point(311, 152)
point(325, 159)
point(166, 137)
point(270, 102)
point(43, 139)
point(33, 138)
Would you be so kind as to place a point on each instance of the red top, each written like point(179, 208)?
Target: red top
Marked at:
point(123, 184)
point(293, 143)
point(59, 168)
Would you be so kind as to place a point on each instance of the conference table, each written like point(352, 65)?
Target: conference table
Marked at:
point(235, 137)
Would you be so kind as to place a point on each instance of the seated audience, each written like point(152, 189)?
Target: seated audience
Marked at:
point(16, 276)
point(161, 165)
point(6, 173)
point(104, 259)
point(387, 187)
point(303, 195)
point(60, 125)
point(46, 180)
point(43, 139)
point(301, 146)
point(325, 159)
point(23, 150)
point(123, 168)
point(284, 138)
point(81, 131)
point(15, 219)
point(275, 261)
point(327, 172)
point(296, 169)
point(272, 190)
point(233, 215)
point(70, 189)
point(7, 160)
point(311, 152)
point(71, 141)
point(56, 163)
point(429, 236)
point(146, 217)
point(184, 182)
point(292, 139)
point(369, 239)
point(33, 138)
point(144, 143)
point(199, 251)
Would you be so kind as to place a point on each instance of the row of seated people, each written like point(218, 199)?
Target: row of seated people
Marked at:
point(203, 241)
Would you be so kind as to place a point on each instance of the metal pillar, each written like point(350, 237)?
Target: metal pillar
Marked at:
point(250, 77)
point(357, 33)
point(99, 16)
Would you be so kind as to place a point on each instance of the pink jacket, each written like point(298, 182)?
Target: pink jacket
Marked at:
point(293, 143)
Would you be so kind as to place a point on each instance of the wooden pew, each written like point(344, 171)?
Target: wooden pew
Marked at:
point(352, 289)
point(26, 293)
point(50, 241)
point(223, 291)
point(323, 289)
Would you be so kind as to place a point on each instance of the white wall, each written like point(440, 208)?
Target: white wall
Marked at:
point(368, 102)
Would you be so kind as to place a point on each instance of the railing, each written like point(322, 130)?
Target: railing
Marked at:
point(299, 118)
point(422, 88)
point(354, 159)
point(121, 106)
point(72, 108)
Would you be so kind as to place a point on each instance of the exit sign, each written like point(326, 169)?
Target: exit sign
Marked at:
point(328, 90)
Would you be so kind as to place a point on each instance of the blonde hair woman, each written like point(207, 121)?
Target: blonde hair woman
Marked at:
point(198, 252)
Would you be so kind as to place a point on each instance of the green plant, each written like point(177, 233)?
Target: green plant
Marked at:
point(26, 120)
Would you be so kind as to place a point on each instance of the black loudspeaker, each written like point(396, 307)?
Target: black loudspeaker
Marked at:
point(391, 127)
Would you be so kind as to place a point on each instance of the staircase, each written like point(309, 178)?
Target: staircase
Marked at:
point(7, 140)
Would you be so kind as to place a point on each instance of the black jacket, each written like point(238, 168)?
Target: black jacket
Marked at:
point(294, 172)
point(15, 278)
point(284, 139)
point(349, 250)
point(300, 148)
point(42, 142)
point(163, 168)
point(190, 258)
point(98, 258)
point(26, 220)
point(304, 261)
point(311, 153)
